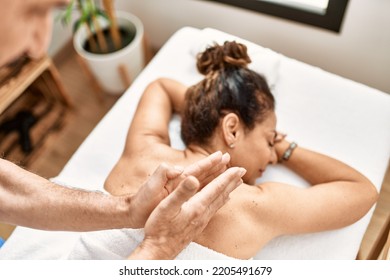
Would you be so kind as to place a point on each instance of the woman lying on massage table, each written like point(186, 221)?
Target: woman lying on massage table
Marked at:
point(232, 110)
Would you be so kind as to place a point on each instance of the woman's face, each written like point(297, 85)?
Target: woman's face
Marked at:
point(255, 149)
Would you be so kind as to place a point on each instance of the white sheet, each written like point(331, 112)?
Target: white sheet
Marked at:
point(116, 244)
point(319, 110)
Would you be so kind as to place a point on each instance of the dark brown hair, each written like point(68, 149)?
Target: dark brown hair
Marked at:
point(228, 86)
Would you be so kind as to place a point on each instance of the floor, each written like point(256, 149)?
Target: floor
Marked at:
point(89, 108)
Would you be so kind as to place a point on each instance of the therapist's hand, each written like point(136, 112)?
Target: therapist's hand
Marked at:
point(183, 215)
point(165, 180)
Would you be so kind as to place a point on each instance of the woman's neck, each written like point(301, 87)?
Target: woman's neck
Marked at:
point(198, 151)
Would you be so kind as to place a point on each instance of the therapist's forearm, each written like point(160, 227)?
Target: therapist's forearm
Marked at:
point(32, 201)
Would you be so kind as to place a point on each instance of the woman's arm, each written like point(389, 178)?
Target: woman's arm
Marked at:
point(339, 195)
point(317, 168)
point(160, 100)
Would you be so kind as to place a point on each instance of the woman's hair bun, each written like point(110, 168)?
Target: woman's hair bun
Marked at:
point(217, 57)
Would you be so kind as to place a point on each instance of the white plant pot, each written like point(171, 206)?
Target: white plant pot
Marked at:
point(105, 67)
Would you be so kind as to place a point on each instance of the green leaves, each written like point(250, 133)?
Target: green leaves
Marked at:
point(66, 17)
point(96, 21)
point(88, 11)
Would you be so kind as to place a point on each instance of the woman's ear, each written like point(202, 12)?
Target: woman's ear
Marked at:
point(231, 129)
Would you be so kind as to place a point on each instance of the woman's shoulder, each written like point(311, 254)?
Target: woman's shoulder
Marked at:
point(244, 222)
point(261, 200)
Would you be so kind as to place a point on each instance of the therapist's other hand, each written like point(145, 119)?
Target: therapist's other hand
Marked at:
point(165, 180)
point(183, 215)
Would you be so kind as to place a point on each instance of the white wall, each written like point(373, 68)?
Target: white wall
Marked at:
point(361, 51)
point(60, 35)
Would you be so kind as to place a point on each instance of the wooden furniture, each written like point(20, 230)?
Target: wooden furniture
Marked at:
point(44, 69)
point(386, 246)
point(35, 90)
point(381, 245)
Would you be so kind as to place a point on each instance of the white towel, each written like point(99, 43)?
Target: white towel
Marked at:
point(32, 244)
point(118, 244)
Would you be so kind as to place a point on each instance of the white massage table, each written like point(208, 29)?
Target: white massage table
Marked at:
point(319, 110)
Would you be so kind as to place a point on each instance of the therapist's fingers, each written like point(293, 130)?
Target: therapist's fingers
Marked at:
point(165, 172)
point(187, 188)
point(168, 229)
point(152, 192)
point(204, 170)
point(213, 196)
point(161, 176)
point(183, 215)
point(215, 171)
point(198, 168)
point(208, 168)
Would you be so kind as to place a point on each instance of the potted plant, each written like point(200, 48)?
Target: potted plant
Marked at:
point(110, 42)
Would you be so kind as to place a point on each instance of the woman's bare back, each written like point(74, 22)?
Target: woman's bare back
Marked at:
point(233, 231)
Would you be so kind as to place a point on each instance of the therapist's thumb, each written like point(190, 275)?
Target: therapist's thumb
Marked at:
point(164, 173)
point(184, 191)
